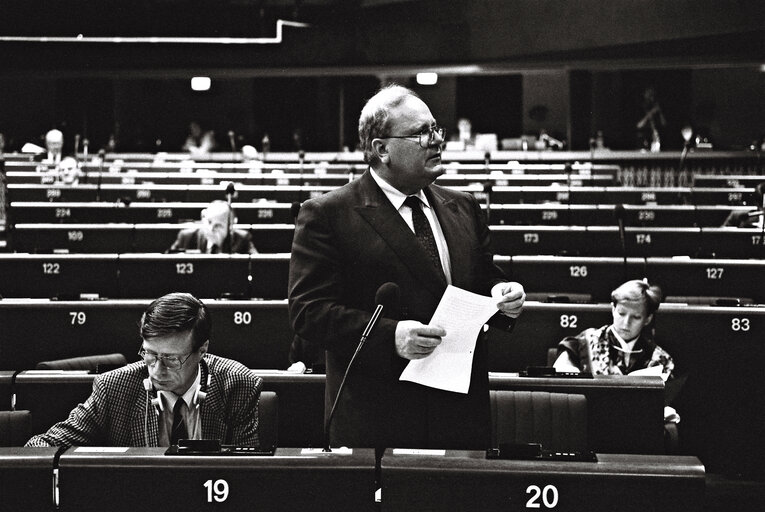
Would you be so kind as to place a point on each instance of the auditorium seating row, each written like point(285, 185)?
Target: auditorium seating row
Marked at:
point(258, 334)
point(624, 415)
point(561, 278)
point(601, 241)
point(307, 178)
point(562, 193)
point(722, 427)
point(266, 212)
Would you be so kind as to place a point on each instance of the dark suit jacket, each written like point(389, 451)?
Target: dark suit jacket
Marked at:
point(118, 411)
point(349, 242)
point(193, 238)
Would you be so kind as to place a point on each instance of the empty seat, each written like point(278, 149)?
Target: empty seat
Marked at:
point(557, 421)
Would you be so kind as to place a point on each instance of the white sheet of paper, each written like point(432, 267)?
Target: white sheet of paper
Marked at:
point(650, 372)
point(462, 314)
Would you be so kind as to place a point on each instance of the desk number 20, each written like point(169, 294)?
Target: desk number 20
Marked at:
point(549, 496)
point(217, 490)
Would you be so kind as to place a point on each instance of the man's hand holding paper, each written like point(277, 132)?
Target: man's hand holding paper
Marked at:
point(459, 316)
point(415, 340)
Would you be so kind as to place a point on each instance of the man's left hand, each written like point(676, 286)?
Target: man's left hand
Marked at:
point(510, 296)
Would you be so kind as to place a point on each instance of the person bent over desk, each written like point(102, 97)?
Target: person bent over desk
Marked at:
point(178, 390)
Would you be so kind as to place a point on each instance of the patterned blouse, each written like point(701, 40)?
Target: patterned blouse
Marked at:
point(598, 348)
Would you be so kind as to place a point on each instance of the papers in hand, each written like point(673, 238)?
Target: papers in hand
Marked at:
point(462, 314)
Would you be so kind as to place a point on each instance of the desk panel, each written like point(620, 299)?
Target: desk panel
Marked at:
point(26, 479)
point(256, 333)
point(202, 275)
point(604, 241)
point(132, 238)
point(141, 212)
point(58, 275)
point(289, 480)
point(467, 481)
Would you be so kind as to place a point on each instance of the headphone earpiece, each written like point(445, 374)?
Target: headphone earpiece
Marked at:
point(147, 384)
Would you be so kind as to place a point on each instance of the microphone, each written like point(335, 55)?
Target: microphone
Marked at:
point(101, 158)
point(488, 186)
point(85, 144)
point(388, 295)
point(619, 216)
point(230, 189)
point(232, 142)
point(76, 146)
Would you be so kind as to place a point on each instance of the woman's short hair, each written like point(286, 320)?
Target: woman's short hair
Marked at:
point(177, 312)
point(374, 117)
point(638, 290)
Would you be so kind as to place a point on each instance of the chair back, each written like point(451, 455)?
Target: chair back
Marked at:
point(268, 419)
point(15, 428)
point(557, 421)
point(99, 362)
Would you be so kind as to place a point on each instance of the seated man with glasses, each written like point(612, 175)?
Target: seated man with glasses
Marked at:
point(177, 391)
point(216, 234)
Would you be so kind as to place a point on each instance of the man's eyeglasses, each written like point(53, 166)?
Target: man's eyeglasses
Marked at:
point(425, 138)
point(169, 362)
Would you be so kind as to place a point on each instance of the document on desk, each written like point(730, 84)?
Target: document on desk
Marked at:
point(462, 314)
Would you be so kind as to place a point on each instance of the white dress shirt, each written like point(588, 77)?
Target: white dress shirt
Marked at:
point(397, 199)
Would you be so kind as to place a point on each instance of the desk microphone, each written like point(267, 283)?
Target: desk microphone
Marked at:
point(232, 141)
point(388, 295)
point(101, 157)
point(619, 216)
point(76, 147)
point(230, 190)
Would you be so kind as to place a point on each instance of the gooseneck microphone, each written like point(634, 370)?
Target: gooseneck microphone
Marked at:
point(101, 158)
point(232, 143)
point(388, 296)
point(619, 216)
point(230, 190)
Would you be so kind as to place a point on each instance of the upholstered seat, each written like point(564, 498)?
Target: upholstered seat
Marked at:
point(557, 421)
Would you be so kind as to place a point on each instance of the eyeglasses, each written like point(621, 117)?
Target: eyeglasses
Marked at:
point(425, 138)
point(169, 362)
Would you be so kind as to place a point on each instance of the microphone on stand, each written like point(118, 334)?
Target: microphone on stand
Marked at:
point(388, 296)
point(101, 157)
point(230, 190)
point(619, 216)
point(76, 147)
point(232, 142)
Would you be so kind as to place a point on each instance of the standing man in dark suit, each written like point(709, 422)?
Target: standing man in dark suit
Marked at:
point(216, 233)
point(393, 225)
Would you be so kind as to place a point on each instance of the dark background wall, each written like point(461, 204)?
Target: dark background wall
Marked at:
point(586, 62)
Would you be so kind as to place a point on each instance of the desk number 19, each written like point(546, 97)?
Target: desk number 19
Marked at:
point(217, 490)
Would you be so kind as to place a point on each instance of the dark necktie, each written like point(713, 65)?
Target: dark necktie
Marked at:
point(423, 232)
point(179, 425)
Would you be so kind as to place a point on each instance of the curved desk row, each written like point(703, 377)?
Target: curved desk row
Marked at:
point(507, 240)
point(564, 193)
point(299, 479)
point(266, 212)
point(264, 276)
